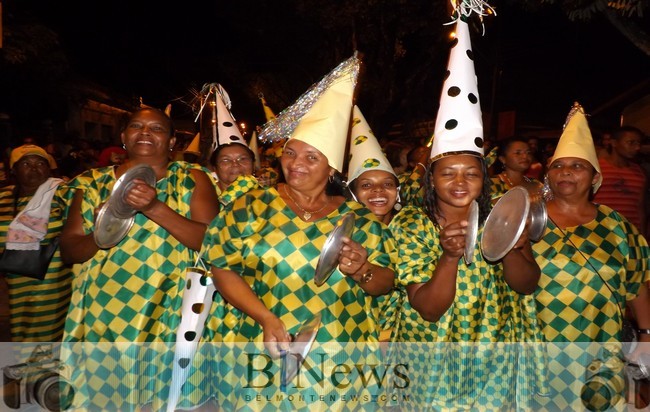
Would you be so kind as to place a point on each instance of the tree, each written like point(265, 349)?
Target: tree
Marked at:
point(626, 15)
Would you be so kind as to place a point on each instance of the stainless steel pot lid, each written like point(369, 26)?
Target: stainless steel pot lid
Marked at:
point(472, 232)
point(109, 229)
point(116, 201)
point(329, 257)
point(505, 223)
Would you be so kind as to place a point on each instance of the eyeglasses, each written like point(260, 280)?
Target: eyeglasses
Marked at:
point(227, 161)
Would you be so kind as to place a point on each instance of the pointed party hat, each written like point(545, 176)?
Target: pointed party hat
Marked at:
point(194, 147)
point(268, 113)
point(321, 116)
point(255, 149)
point(576, 141)
point(227, 130)
point(365, 151)
point(459, 126)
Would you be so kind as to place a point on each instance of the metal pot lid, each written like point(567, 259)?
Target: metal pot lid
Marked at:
point(505, 223)
point(472, 232)
point(537, 215)
point(109, 229)
point(116, 201)
point(299, 348)
point(329, 257)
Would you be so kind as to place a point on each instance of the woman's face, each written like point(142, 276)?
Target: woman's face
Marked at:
point(148, 134)
point(32, 171)
point(377, 190)
point(233, 161)
point(571, 176)
point(517, 157)
point(457, 180)
point(304, 166)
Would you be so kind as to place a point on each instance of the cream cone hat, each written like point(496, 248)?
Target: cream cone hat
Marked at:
point(576, 141)
point(321, 116)
point(365, 151)
point(459, 125)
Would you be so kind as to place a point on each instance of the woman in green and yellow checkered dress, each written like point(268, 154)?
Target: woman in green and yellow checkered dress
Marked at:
point(131, 293)
point(459, 328)
point(263, 249)
point(595, 266)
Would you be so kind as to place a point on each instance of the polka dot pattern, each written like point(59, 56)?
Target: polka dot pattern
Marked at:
point(370, 163)
point(360, 139)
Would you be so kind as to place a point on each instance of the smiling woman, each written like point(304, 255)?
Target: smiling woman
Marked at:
point(132, 292)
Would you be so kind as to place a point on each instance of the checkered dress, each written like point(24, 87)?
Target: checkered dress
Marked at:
point(276, 253)
point(574, 304)
point(461, 360)
point(129, 293)
point(37, 307)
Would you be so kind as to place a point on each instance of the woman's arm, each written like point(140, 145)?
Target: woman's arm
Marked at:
point(433, 298)
point(520, 270)
point(353, 262)
point(237, 292)
point(75, 245)
point(204, 206)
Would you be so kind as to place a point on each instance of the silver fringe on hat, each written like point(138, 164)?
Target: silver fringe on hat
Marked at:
point(286, 121)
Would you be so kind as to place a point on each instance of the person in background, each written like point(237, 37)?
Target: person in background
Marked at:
point(410, 181)
point(536, 169)
point(593, 267)
point(264, 248)
point(515, 158)
point(37, 307)
point(111, 156)
point(624, 182)
point(132, 292)
point(455, 310)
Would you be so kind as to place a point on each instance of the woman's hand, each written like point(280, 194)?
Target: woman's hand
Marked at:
point(276, 337)
point(140, 196)
point(452, 239)
point(352, 258)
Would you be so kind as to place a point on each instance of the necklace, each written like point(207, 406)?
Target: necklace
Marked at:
point(306, 215)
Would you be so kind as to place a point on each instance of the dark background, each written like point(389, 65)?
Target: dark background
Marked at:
point(534, 63)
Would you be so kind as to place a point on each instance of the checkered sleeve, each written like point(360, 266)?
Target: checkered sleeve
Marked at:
point(638, 258)
point(417, 246)
point(223, 243)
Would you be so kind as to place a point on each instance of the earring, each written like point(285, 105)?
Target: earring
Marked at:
point(330, 178)
point(398, 204)
point(547, 193)
point(123, 146)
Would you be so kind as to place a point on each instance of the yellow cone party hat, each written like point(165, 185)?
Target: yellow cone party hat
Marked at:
point(268, 113)
point(321, 116)
point(193, 147)
point(459, 126)
point(365, 151)
point(255, 149)
point(576, 141)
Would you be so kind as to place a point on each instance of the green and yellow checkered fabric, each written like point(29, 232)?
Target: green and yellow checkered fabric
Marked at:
point(129, 293)
point(276, 253)
point(485, 310)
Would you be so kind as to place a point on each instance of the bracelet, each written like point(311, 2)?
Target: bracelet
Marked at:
point(366, 277)
point(643, 331)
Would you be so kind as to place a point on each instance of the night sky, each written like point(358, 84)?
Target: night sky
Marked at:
point(537, 64)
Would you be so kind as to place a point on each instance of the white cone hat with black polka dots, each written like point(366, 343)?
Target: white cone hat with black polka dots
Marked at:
point(365, 151)
point(459, 126)
point(227, 129)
